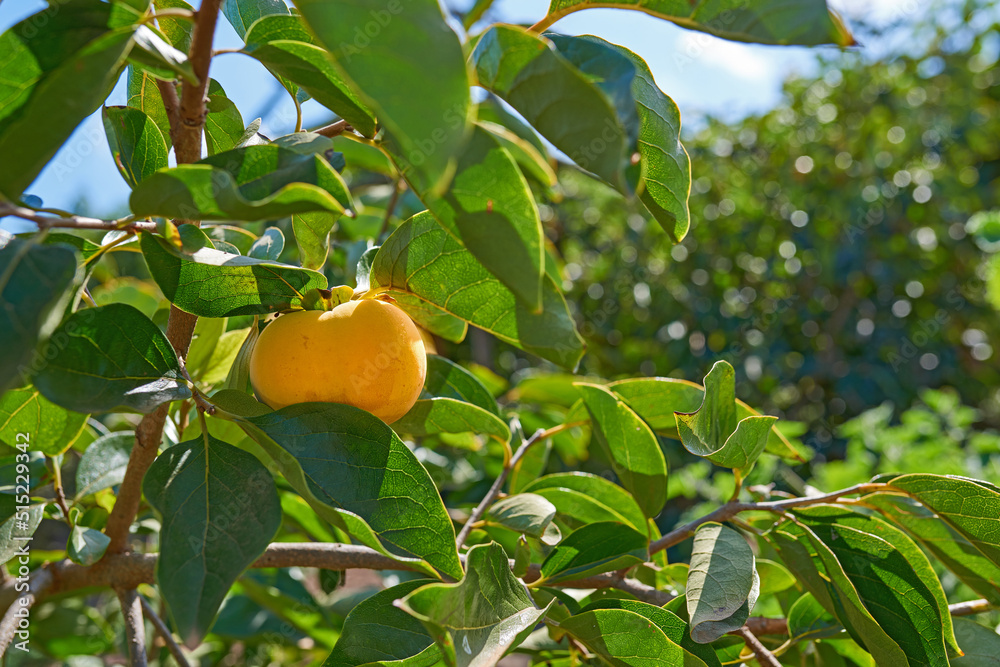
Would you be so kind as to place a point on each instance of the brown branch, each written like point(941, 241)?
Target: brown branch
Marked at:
point(185, 128)
point(164, 632)
point(494, 491)
point(135, 628)
point(969, 608)
point(764, 657)
point(731, 509)
point(74, 221)
point(171, 104)
point(187, 144)
point(761, 625)
point(129, 570)
point(334, 129)
point(19, 607)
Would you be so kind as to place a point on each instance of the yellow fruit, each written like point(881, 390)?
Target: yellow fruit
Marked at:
point(365, 353)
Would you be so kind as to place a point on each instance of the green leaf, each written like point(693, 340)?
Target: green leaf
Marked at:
point(436, 320)
point(422, 260)
point(625, 639)
point(713, 432)
point(448, 415)
point(302, 614)
point(34, 280)
point(630, 445)
point(672, 626)
point(967, 505)
point(657, 400)
point(86, 546)
point(269, 245)
point(408, 66)
point(223, 357)
point(593, 549)
point(242, 14)
point(18, 523)
point(144, 95)
point(805, 22)
point(722, 583)
point(582, 498)
point(946, 544)
point(565, 105)
point(103, 463)
point(312, 235)
point(110, 358)
point(223, 123)
point(359, 475)
point(525, 513)
point(532, 163)
point(177, 30)
point(59, 66)
point(981, 645)
point(893, 578)
point(663, 176)
point(377, 632)
point(774, 577)
point(238, 378)
point(210, 283)
point(219, 509)
point(255, 182)
point(53, 430)
point(492, 110)
point(155, 52)
point(821, 574)
point(476, 620)
point(137, 145)
point(283, 45)
point(490, 210)
point(807, 619)
point(446, 379)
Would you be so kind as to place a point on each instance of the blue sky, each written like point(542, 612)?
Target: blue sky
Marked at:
point(704, 75)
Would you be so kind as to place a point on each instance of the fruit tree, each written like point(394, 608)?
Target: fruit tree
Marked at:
point(217, 404)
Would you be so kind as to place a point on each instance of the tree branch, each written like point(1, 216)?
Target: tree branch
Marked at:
point(731, 509)
point(164, 632)
point(494, 491)
point(334, 129)
point(187, 145)
point(74, 221)
point(764, 657)
point(185, 128)
point(135, 628)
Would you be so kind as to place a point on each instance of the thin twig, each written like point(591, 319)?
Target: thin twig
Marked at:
point(171, 104)
point(75, 221)
point(135, 628)
point(58, 487)
point(731, 509)
point(164, 632)
point(334, 129)
point(199, 399)
point(764, 657)
point(494, 491)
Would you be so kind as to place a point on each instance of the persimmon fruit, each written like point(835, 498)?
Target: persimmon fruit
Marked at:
point(366, 353)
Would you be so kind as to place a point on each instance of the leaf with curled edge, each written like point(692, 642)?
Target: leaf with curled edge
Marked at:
point(712, 431)
point(476, 620)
